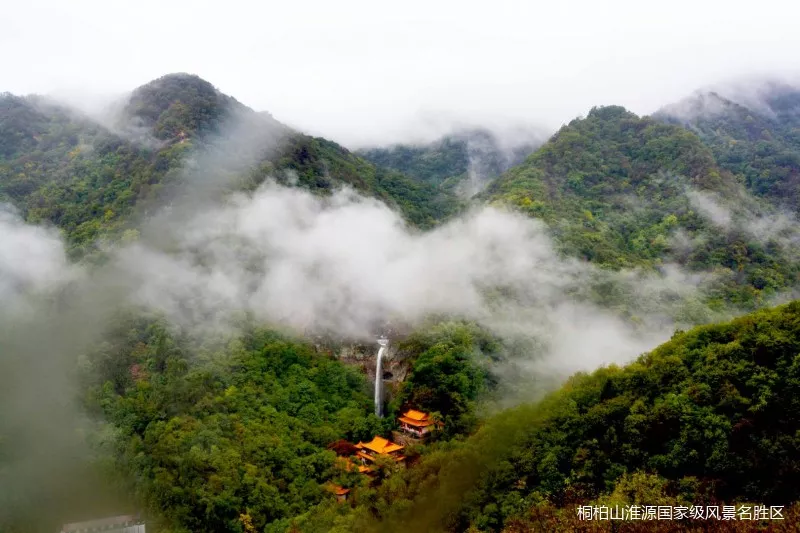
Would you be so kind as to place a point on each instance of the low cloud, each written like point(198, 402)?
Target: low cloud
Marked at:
point(340, 265)
point(742, 212)
point(709, 206)
point(345, 264)
point(32, 260)
point(41, 334)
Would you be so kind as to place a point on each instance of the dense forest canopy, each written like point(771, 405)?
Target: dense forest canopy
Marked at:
point(208, 443)
point(756, 139)
point(60, 167)
point(241, 425)
point(465, 161)
point(706, 417)
point(621, 191)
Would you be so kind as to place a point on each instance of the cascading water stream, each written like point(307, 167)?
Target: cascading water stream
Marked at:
point(384, 342)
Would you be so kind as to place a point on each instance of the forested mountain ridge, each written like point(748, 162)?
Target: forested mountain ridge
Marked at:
point(706, 418)
point(237, 429)
point(757, 137)
point(180, 105)
point(320, 164)
point(244, 437)
point(61, 167)
point(465, 160)
point(621, 190)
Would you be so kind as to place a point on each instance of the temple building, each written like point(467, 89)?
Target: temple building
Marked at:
point(338, 491)
point(368, 451)
point(417, 424)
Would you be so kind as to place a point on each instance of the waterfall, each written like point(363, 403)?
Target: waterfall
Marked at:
point(383, 341)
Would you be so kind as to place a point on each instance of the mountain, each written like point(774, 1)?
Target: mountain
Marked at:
point(238, 428)
point(622, 191)
point(180, 105)
point(93, 179)
point(708, 418)
point(756, 137)
point(320, 165)
point(465, 160)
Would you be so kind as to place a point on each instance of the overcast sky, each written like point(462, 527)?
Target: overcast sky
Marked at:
point(372, 72)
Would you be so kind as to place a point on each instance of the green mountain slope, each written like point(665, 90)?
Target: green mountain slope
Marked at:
point(432, 163)
point(711, 411)
point(759, 141)
point(61, 167)
point(179, 105)
point(206, 435)
point(320, 164)
point(207, 444)
point(231, 432)
point(622, 191)
point(473, 156)
point(710, 416)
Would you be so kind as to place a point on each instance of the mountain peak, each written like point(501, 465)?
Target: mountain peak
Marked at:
point(179, 104)
point(610, 112)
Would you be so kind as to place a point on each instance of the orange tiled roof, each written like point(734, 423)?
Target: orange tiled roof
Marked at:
point(372, 457)
point(416, 423)
point(416, 415)
point(369, 457)
point(416, 418)
point(336, 489)
point(380, 445)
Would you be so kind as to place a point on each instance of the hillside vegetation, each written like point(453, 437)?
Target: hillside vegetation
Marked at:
point(622, 191)
point(708, 417)
point(464, 161)
point(61, 167)
point(757, 139)
point(238, 429)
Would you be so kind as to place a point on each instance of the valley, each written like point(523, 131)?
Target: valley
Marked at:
point(194, 293)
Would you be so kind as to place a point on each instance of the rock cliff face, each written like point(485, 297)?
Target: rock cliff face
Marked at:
point(396, 363)
point(401, 438)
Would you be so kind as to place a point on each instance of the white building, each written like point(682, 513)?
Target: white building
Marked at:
point(114, 524)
